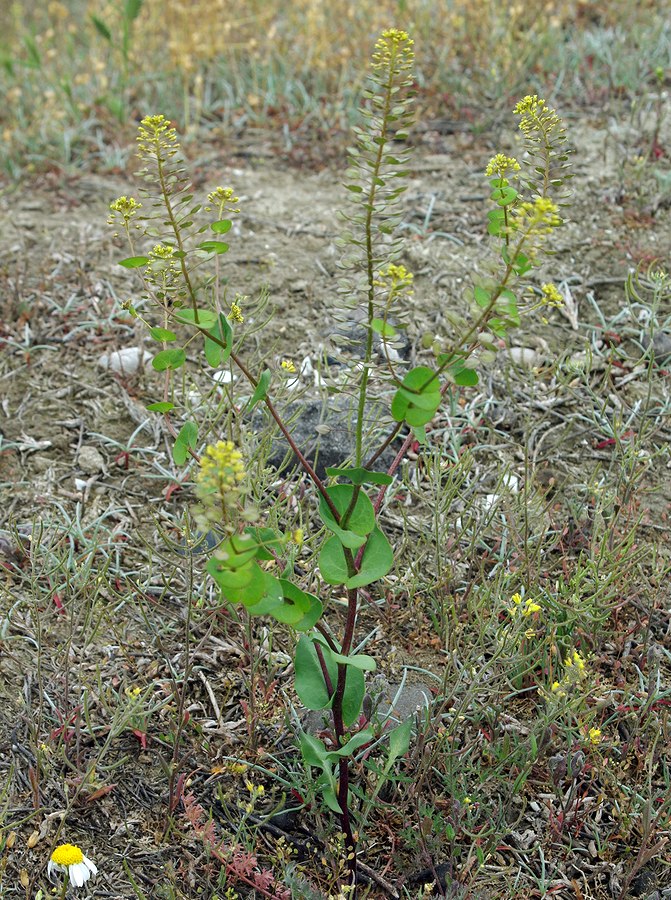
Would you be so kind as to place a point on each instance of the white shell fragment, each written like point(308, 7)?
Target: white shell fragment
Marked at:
point(524, 356)
point(126, 361)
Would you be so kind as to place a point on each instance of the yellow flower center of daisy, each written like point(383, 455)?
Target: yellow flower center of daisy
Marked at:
point(67, 855)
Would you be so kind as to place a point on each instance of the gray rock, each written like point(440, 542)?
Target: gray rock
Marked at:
point(661, 345)
point(324, 432)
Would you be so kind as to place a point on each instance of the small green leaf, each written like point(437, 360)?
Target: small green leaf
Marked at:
point(379, 326)
point(361, 521)
point(134, 262)
point(102, 29)
point(186, 440)
point(247, 585)
point(354, 188)
point(163, 407)
point(330, 799)
point(482, 296)
point(205, 318)
point(213, 246)
point(399, 742)
point(378, 558)
point(422, 379)
point(359, 661)
point(265, 538)
point(261, 390)
point(313, 750)
point(222, 226)
point(427, 400)
point(464, 376)
point(332, 562)
point(172, 358)
point(215, 354)
point(162, 334)
point(311, 605)
point(355, 688)
point(420, 434)
point(504, 196)
point(132, 9)
point(237, 551)
point(309, 679)
point(365, 736)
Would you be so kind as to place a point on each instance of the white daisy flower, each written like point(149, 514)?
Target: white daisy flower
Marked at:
point(70, 859)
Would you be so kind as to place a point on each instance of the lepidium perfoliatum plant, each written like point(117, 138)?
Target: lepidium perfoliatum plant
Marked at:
point(252, 562)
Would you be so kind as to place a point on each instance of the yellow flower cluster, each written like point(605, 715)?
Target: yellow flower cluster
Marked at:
point(224, 198)
point(551, 295)
point(538, 217)
point(536, 115)
point(594, 736)
point(156, 137)
point(288, 366)
point(575, 661)
point(256, 791)
point(393, 50)
point(235, 315)
point(162, 251)
point(221, 471)
point(395, 278)
point(574, 671)
point(501, 165)
point(526, 607)
point(127, 207)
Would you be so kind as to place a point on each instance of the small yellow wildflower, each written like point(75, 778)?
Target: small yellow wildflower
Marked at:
point(557, 689)
point(526, 607)
point(156, 138)
point(395, 278)
point(288, 366)
point(69, 858)
point(575, 660)
point(529, 634)
point(551, 295)
point(539, 216)
point(236, 311)
point(595, 736)
point(162, 251)
point(297, 537)
point(501, 165)
point(225, 199)
point(127, 207)
point(393, 49)
point(257, 789)
point(221, 469)
point(536, 115)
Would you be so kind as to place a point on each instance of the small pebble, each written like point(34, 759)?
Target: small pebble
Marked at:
point(90, 460)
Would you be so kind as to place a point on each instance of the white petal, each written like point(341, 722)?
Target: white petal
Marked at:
point(92, 866)
point(78, 874)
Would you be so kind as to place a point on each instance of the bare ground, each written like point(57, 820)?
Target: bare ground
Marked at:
point(82, 465)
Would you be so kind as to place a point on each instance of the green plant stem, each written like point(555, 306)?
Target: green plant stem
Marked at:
point(370, 273)
point(175, 229)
